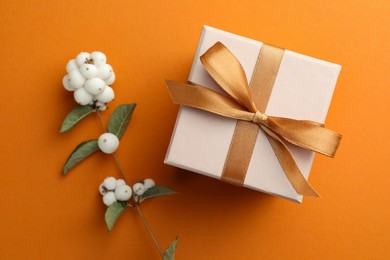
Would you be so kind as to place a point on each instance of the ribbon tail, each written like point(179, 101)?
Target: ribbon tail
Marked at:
point(289, 166)
point(306, 134)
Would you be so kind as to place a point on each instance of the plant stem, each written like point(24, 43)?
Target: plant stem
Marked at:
point(119, 167)
point(114, 154)
point(100, 120)
point(149, 230)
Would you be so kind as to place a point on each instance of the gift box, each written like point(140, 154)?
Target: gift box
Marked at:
point(301, 89)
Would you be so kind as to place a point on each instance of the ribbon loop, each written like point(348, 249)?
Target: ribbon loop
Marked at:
point(227, 71)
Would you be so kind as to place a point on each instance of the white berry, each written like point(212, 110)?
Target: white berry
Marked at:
point(109, 198)
point(102, 106)
point(66, 83)
point(139, 188)
point(88, 71)
point(102, 189)
point(105, 71)
point(71, 65)
point(108, 143)
point(106, 96)
point(82, 96)
point(98, 58)
point(149, 183)
point(109, 81)
point(123, 193)
point(99, 104)
point(95, 86)
point(76, 79)
point(82, 58)
point(120, 182)
point(109, 183)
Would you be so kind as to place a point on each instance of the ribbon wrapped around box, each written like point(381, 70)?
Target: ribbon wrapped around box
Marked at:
point(247, 103)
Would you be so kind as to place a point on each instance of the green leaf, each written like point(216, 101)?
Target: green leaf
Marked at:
point(113, 212)
point(120, 119)
point(170, 251)
point(81, 152)
point(75, 116)
point(157, 191)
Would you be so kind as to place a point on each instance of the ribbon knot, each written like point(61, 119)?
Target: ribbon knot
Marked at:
point(259, 118)
point(227, 71)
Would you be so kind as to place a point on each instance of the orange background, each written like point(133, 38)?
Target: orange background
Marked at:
point(45, 215)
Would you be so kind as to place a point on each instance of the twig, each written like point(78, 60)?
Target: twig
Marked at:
point(119, 167)
point(100, 119)
point(149, 230)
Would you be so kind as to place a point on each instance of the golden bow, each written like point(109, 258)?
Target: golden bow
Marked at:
point(227, 71)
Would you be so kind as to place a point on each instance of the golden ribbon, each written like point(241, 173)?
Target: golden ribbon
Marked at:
point(227, 71)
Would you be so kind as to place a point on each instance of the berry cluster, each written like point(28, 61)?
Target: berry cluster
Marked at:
point(90, 77)
point(114, 190)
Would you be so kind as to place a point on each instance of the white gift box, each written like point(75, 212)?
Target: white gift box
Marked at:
point(303, 90)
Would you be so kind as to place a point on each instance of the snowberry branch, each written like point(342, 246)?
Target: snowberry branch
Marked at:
point(89, 77)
